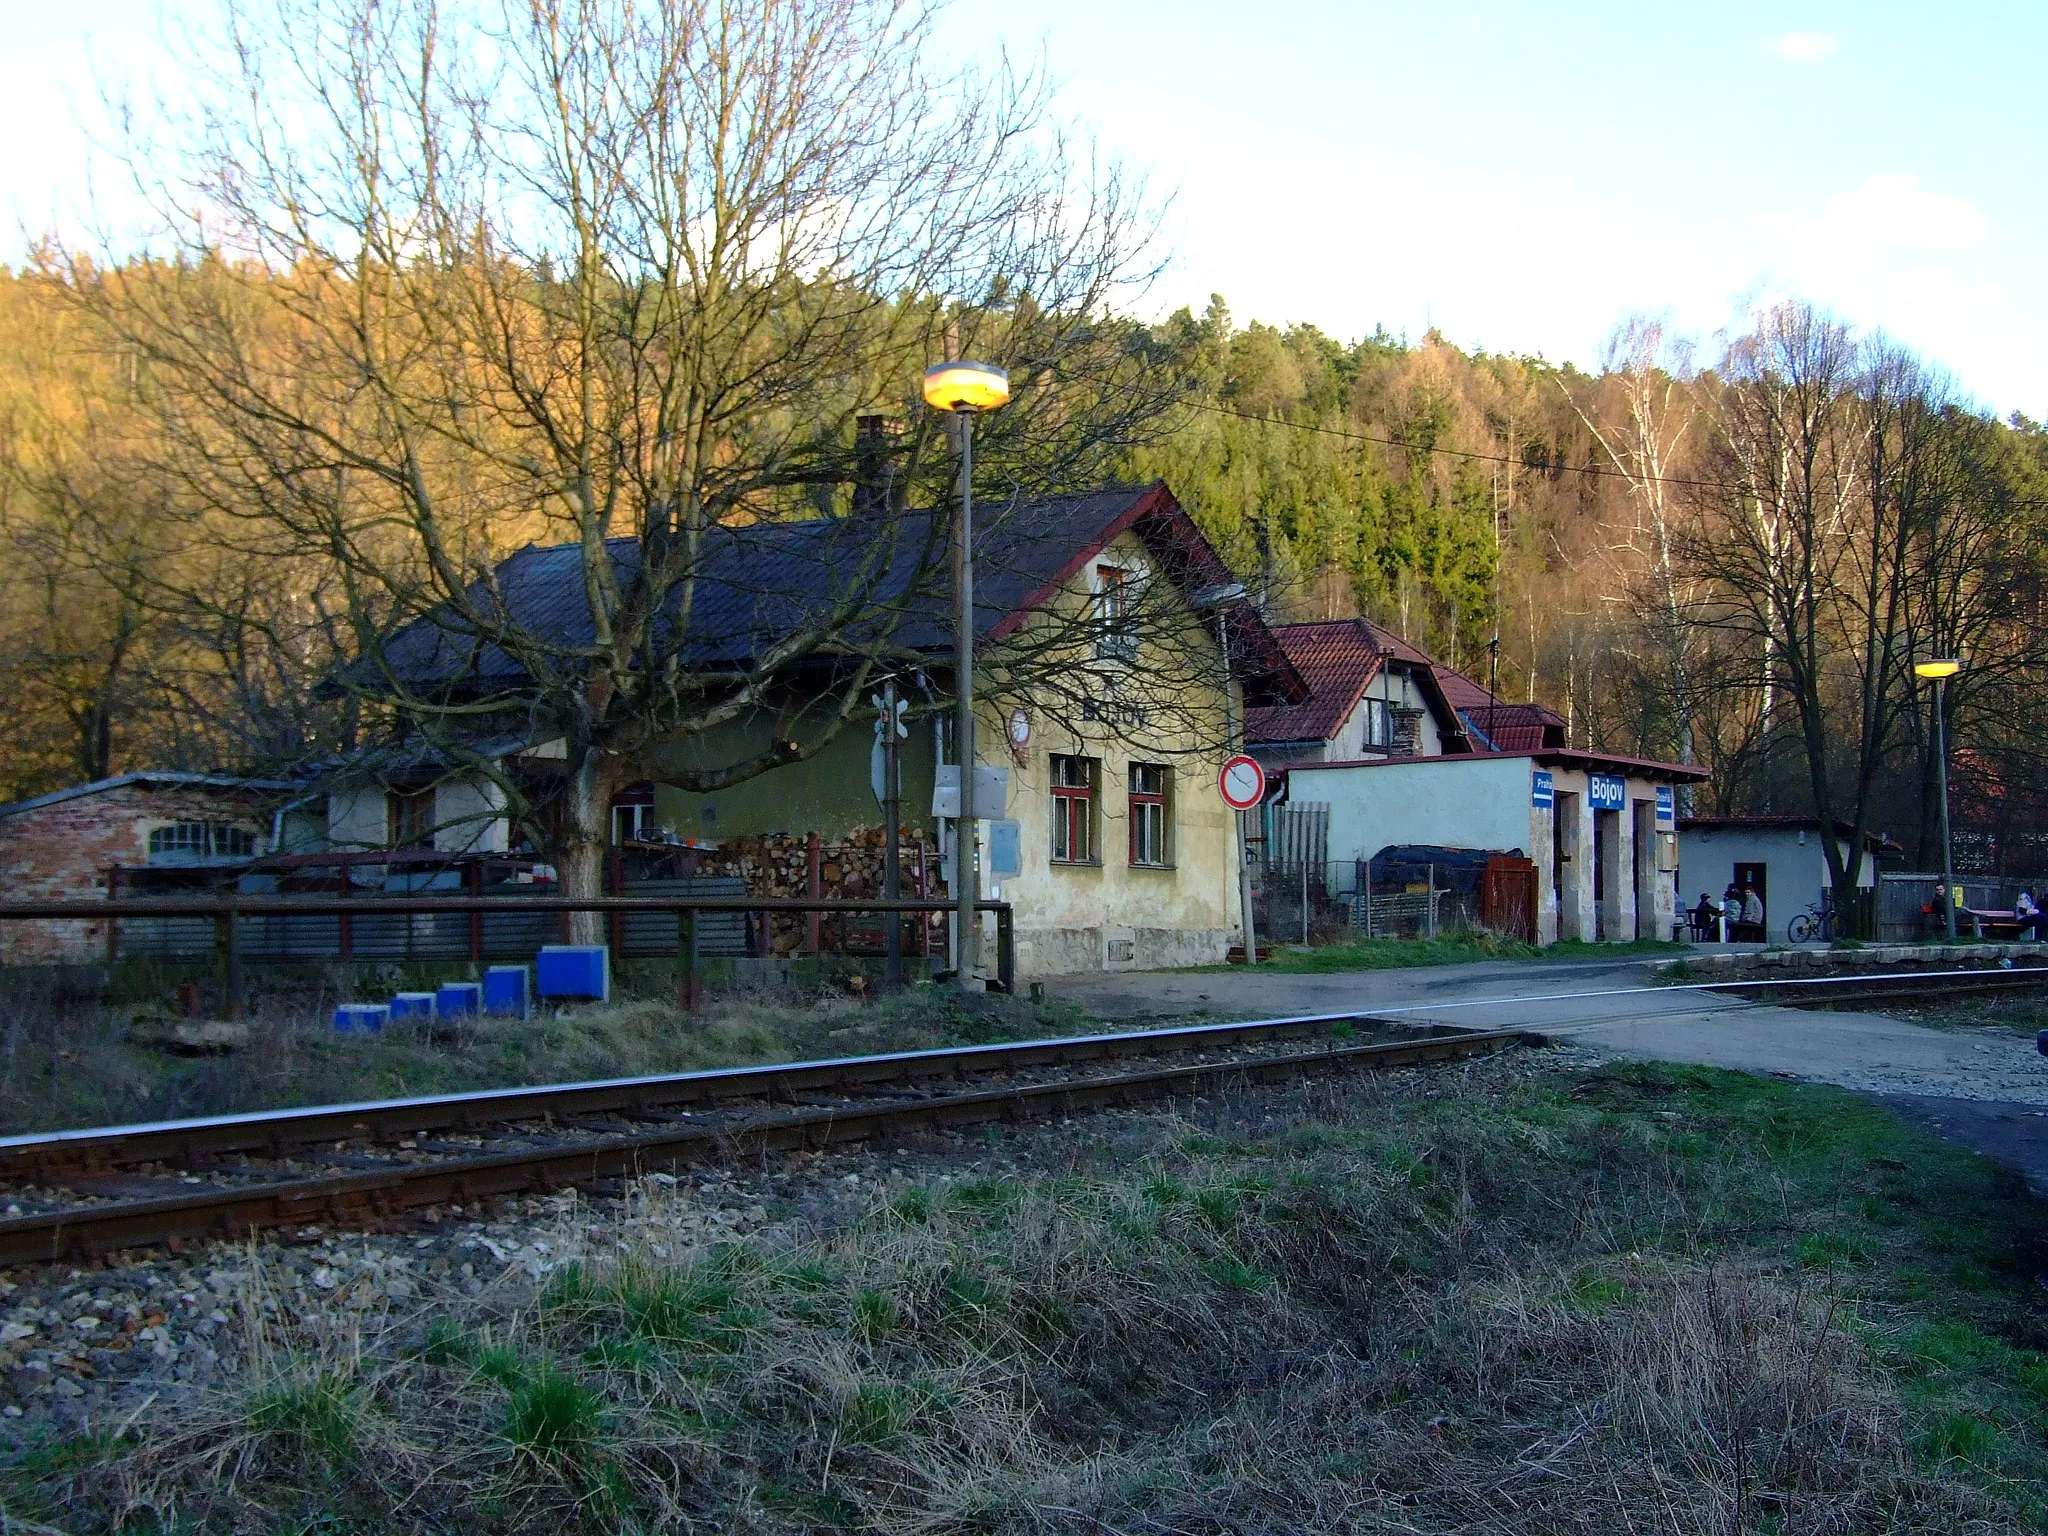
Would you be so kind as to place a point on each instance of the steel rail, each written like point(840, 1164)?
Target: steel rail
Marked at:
point(87, 1231)
point(274, 1132)
point(195, 1141)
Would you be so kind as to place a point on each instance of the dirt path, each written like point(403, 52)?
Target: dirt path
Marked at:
point(1986, 1089)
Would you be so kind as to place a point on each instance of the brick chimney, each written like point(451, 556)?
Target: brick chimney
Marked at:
point(874, 450)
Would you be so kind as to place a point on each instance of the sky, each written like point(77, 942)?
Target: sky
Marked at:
point(1519, 176)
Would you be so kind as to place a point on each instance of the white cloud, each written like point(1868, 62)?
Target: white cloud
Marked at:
point(1805, 47)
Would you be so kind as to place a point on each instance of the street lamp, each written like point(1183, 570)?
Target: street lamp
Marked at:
point(1938, 672)
point(963, 388)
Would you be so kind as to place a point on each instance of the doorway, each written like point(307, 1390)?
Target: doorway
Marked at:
point(1567, 866)
point(1751, 876)
point(1642, 866)
point(1606, 875)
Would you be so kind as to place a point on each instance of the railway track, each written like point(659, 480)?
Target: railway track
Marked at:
point(80, 1194)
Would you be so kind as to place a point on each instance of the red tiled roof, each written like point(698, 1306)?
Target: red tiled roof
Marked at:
point(1337, 658)
point(1510, 726)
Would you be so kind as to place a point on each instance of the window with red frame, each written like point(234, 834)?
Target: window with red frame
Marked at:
point(1073, 809)
point(1150, 784)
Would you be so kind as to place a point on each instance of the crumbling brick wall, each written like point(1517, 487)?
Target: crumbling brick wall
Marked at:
point(62, 852)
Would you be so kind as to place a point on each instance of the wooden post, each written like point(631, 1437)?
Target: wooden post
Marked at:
point(113, 924)
point(686, 959)
point(924, 919)
point(814, 886)
point(1006, 949)
point(615, 885)
point(234, 949)
point(473, 881)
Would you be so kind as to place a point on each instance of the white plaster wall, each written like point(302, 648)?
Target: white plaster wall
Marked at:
point(468, 817)
point(1454, 802)
point(356, 818)
point(1795, 873)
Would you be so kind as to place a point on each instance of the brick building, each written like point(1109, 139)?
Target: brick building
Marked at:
point(166, 827)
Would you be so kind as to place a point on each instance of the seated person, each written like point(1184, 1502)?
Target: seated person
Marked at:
point(2029, 915)
point(1706, 918)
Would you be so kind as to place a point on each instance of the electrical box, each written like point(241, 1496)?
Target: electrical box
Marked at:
point(508, 990)
point(1667, 852)
point(574, 970)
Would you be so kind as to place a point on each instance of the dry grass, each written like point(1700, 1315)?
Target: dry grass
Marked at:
point(1570, 1306)
point(66, 1065)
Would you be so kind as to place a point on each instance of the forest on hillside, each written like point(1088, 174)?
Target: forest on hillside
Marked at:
point(443, 316)
point(1730, 560)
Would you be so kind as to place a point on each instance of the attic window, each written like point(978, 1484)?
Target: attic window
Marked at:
point(200, 842)
point(1116, 631)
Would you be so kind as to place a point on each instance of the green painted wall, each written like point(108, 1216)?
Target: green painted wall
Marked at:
point(828, 794)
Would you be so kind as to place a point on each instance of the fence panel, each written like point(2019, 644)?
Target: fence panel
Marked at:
point(654, 933)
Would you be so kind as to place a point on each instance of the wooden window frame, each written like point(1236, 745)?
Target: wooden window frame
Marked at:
point(1142, 804)
point(1116, 637)
point(1073, 810)
point(404, 827)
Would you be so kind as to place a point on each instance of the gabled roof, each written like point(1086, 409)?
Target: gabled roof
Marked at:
point(1876, 842)
point(759, 583)
point(149, 779)
point(1496, 724)
point(1339, 659)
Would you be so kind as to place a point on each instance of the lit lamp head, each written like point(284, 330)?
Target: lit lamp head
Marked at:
point(965, 386)
point(1942, 667)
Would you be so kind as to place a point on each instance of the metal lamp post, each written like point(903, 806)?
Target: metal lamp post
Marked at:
point(963, 389)
point(1938, 672)
point(1218, 598)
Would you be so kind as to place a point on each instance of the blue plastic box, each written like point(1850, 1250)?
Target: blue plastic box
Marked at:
point(361, 1018)
point(458, 999)
point(413, 1005)
point(574, 970)
point(508, 990)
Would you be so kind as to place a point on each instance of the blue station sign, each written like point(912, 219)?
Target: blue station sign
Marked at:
point(1542, 793)
point(1667, 806)
point(1605, 792)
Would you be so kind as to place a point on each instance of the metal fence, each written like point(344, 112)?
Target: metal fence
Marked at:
point(1294, 882)
point(500, 934)
point(238, 930)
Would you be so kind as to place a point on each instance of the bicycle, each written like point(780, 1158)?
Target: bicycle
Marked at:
point(1817, 921)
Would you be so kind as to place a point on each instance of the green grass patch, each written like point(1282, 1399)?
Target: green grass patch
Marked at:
point(79, 1063)
point(1713, 1302)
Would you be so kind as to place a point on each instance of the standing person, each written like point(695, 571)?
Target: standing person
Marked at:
point(1753, 911)
point(1731, 910)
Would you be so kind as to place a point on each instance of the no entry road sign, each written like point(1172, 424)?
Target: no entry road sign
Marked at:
point(1243, 783)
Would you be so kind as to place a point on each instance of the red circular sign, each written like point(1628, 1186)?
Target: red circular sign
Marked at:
point(1243, 783)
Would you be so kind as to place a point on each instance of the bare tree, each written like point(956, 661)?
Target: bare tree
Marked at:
point(618, 274)
point(1822, 467)
point(1652, 373)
